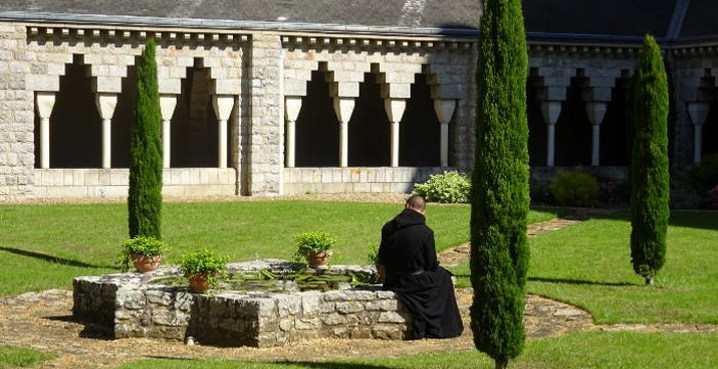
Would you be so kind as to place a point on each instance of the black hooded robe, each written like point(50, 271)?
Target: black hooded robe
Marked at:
point(408, 253)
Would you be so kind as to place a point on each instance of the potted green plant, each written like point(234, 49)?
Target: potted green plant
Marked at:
point(203, 269)
point(315, 247)
point(144, 252)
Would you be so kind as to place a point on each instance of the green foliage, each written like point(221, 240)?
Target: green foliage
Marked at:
point(574, 188)
point(704, 175)
point(650, 180)
point(313, 243)
point(21, 357)
point(141, 245)
point(203, 261)
point(450, 187)
point(500, 186)
point(144, 201)
point(702, 178)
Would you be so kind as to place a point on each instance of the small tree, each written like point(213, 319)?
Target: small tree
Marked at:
point(500, 188)
point(649, 163)
point(144, 201)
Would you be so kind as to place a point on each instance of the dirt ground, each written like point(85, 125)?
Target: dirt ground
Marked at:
point(43, 321)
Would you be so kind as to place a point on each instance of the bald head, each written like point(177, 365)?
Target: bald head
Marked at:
point(416, 202)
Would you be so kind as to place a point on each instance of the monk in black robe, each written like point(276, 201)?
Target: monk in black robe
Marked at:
point(407, 260)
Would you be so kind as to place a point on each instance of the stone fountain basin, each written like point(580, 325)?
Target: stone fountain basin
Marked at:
point(140, 305)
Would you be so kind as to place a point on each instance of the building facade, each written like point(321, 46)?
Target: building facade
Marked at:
point(280, 97)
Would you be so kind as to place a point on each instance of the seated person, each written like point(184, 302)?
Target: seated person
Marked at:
point(408, 263)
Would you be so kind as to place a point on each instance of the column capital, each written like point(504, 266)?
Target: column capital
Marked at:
point(698, 111)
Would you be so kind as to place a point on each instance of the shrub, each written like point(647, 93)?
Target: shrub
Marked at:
point(313, 242)
point(704, 175)
point(650, 179)
point(574, 188)
point(612, 192)
point(144, 200)
point(203, 261)
point(713, 194)
point(450, 187)
point(140, 245)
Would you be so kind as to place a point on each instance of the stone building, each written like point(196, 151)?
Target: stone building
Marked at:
point(262, 98)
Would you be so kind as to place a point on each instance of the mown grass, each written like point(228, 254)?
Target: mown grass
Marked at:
point(45, 246)
point(589, 265)
point(20, 358)
point(586, 350)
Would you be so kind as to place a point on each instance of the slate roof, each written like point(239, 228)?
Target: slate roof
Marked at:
point(561, 20)
point(327, 15)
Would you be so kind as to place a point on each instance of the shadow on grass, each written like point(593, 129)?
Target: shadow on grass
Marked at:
point(580, 282)
point(332, 365)
point(54, 259)
point(305, 364)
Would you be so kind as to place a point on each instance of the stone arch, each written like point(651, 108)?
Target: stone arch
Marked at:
point(369, 137)
point(419, 136)
point(573, 128)
point(317, 132)
point(75, 124)
point(194, 139)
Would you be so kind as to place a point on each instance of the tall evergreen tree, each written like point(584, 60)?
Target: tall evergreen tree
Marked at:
point(500, 191)
point(649, 162)
point(145, 194)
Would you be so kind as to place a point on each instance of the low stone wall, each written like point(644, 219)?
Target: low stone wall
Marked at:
point(356, 180)
point(113, 183)
point(127, 305)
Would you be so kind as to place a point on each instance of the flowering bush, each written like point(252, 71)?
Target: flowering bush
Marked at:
point(450, 187)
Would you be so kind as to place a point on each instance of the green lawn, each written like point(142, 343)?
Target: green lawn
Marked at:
point(45, 246)
point(587, 264)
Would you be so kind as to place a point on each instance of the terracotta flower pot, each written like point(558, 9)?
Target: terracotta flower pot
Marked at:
point(199, 283)
point(318, 259)
point(146, 264)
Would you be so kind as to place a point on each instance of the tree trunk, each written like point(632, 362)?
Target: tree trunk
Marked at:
point(649, 281)
point(501, 363)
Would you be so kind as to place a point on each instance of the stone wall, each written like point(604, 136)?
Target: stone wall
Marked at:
point(114, 183)
point(355, 180)
point(16, 114)
point(127, 305)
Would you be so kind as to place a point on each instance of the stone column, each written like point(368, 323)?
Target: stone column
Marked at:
point(293, 104)
point(223, 105)
point(394, 111)
point(45, 103)
point(556, 81)
point(698, 112)
point(596, 111)
point(444, 111)
point(106, 104)
point(551, 110)
point(168, 103)
point(343, 107)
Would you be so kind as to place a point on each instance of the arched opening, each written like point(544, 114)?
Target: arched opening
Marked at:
point(317, 131)
point(420, 130)
point(75, 123)
point(537, 126)
point(194, 126)
point(123, 120)
point(573, 128)
point(369, 128)
point(616, 134)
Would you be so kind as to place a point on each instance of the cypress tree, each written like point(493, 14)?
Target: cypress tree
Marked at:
point(500, 191)
point(649, 162)
point(144, 201)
